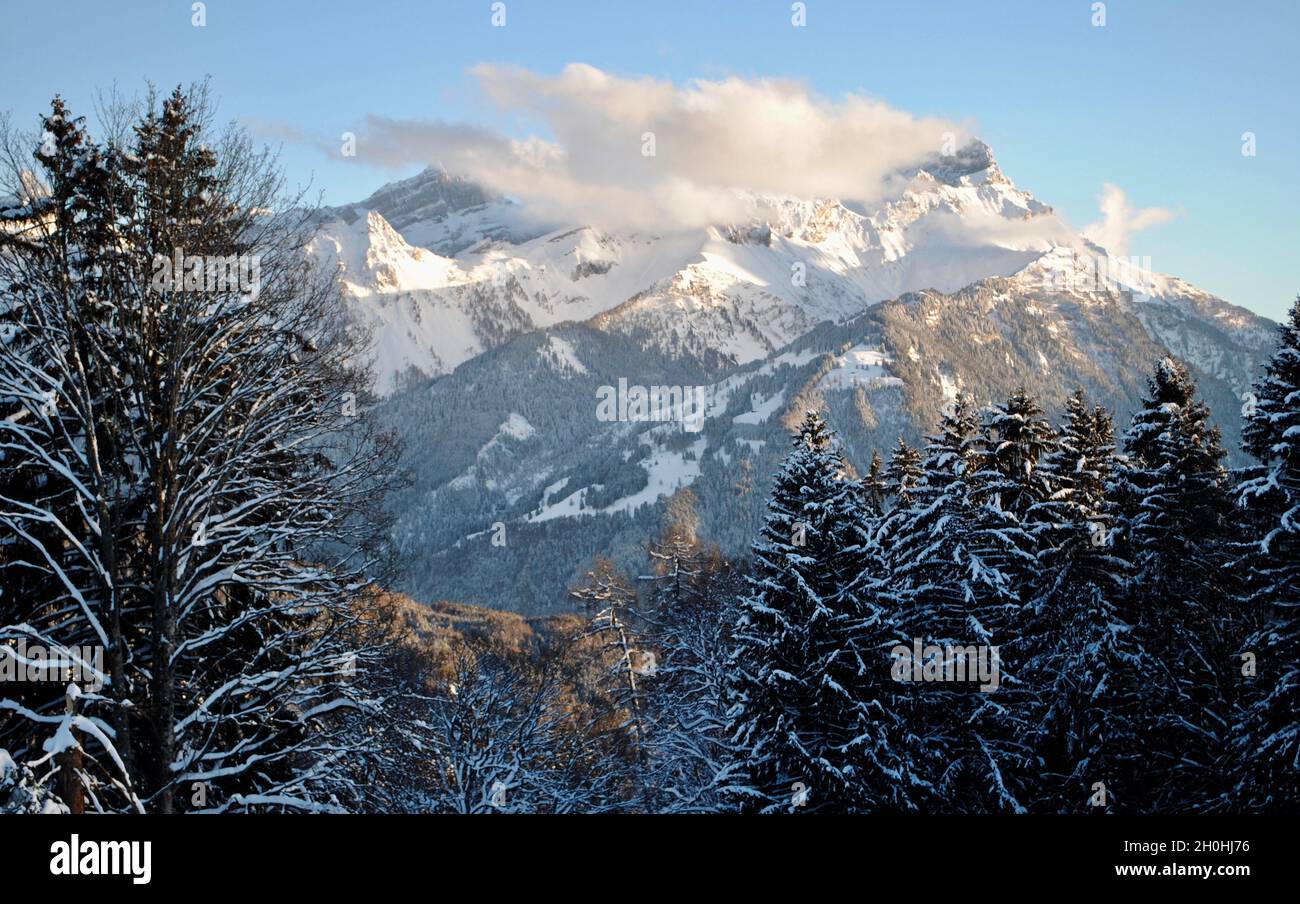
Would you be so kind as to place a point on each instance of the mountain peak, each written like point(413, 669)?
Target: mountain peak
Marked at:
point(971, 161)
point(442, 212)
point(430, 194)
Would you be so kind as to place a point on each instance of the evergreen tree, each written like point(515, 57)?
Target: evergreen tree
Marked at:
point(951, 559)
point(1266, 745)
point(810, 733)
point(1175, 528)
point(1081, 659)
point(875, 491)
point(904, 472)
point(1014, 437)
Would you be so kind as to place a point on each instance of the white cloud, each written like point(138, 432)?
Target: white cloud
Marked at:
point(1120, 220)
point(711, 137)
point(978, 227)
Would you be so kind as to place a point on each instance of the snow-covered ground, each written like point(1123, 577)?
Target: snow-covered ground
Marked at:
point(859, 366)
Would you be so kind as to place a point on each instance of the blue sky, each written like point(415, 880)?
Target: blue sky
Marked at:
point(1155, 102)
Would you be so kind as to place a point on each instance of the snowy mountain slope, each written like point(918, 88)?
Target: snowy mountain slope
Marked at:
point(734, 293)
point(960, 280)
point(726, 294)
point(430, 313)
point(441, 212)
point(575, 486)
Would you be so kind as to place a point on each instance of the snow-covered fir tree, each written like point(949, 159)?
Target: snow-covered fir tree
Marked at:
point(1175, 527)
point(903, 473)
point(810, 730)
point(1014, 437)
point(953, 560)
point(1082, 661)
point(875, 490)
point(1266, 746)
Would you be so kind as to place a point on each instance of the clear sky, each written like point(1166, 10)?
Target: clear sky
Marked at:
point(1154, 102)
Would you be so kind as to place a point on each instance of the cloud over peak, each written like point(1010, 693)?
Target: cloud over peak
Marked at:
point(1120, 219)
point(651, 154)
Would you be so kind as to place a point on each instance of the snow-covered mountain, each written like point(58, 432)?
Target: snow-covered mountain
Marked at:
point(958, 280)
point(443, 269)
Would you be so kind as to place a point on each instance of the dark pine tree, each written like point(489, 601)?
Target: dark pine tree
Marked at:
point(1014, 438)
point(951, 560)
point(807, 737)
point(875, 492)
point(904, 472)
point(1176, 528)
point(1266, 746)
point(1081, 659)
